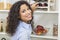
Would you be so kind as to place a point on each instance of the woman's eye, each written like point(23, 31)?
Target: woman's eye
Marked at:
point(23, 11)
point(28, 9)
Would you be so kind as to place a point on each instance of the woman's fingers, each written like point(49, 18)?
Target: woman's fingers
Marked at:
point(34, 6)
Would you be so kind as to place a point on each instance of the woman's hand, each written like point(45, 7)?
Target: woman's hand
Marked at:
point(34, 6)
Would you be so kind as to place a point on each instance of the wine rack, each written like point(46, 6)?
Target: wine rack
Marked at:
point(45, 5)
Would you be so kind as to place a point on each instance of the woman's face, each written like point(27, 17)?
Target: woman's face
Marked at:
point(25, 13)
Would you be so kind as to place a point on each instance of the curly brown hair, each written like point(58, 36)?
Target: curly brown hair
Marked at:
point(13, 20)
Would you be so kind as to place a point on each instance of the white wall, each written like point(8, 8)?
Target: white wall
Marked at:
point(3, 15)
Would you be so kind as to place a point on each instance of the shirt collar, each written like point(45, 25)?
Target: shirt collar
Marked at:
point(25, 25)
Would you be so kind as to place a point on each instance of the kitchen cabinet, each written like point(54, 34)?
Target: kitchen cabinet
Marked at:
point(43, 15)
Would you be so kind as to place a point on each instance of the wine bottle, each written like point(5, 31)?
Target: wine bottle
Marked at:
point(45, 4)
point(40, 4)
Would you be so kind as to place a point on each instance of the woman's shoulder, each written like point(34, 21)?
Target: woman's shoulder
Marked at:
point(20, 28)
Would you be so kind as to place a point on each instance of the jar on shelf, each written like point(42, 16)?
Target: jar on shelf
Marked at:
point(52, 8)
point(5, 5)
point(1, 5)
point(1, 27)
point(52, 1)
point(55, 30)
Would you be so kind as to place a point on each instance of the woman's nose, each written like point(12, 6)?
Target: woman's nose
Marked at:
point(29, 12)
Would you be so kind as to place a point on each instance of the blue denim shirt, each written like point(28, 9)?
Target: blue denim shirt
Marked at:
point(23, 32)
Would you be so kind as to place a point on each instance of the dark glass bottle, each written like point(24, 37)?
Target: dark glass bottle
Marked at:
point(40, 4)
point(45, 4)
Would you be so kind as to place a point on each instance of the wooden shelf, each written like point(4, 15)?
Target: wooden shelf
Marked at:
point(34, 11)
point(45, 11)
point(44, 2)
point(48, 37)
point(4, 11)
point(2, 33)
point(43, 7)
point(39, 36)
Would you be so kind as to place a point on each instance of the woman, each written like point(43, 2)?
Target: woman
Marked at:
point(19, 20)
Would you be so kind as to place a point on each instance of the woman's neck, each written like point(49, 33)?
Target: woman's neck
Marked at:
point(28, 22)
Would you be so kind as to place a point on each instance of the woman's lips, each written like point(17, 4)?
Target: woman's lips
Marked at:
point(29, 16)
